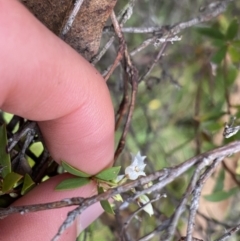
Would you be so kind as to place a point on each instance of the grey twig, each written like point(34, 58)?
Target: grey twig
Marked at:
point(197, 193)
point(71, 17)
point(130, 218)
point(210, 11)
point(182, 205)
point(160, 53)
point(167, 175)
point(28, 129)
point(229, 233)
point(103, 51)
point(122, 18)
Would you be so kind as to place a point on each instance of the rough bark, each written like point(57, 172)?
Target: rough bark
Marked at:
point(86, 31)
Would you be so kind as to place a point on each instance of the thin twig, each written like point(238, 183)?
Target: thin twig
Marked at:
point(228, 234)
point(29, 128)
point(123, 16)
point(130, 218)
point(167, 175)
point(210, 11)
point(122, 46)
point(182, 205)
point(71, 17)
point(224, 225)
point(231, 173)
point(103, 51)
point(159, 55)
point(131, 74)
point(197, 194)
point(124, 104)
point(193, 239)
point(115, 63)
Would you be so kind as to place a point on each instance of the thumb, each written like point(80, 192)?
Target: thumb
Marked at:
point(44, 225)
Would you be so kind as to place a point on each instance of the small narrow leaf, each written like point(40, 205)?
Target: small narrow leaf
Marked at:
point(234, 53)
point(28, 184)
point(74, 171)
point(232, 30)
point(108, 174)
point(236, 43)
point(10, 181)
point(104, 203)
point(72, 183)
point(221, 195)
point(220, 181)
point(107, 206)
point(118, 198)
point(211, 33)
point(5, 162)
point(213, 126)
point(219, 55)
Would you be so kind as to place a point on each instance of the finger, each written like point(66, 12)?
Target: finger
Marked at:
point(43, 79)
point(44, 225)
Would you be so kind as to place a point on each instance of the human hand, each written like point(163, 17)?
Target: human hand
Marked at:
point(43, 79)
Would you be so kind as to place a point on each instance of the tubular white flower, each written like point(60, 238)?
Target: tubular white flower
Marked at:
point(136, 168)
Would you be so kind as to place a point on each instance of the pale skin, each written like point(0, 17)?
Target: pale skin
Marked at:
point(45, 80)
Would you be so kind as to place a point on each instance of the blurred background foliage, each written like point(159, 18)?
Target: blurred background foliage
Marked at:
point(182, 104)
point(180, 111)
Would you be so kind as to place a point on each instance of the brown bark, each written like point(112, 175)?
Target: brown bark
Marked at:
point(86, 30)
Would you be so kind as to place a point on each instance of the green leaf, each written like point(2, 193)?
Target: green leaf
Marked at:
point(221, 195)
point(72, 183)
point(104, 203)
point(28, 184)
point(219, 184)
point(234, 53)
point(10, 181)
point(118, 198)
point(211, 33)
point(108, 174)
point(74, 171)
point(232, 30)
point(213, 126)
point(5, 162)
point(107, 206)
point(214, 115)
point(219, 55)
point(232, 74)
point(218, 43)
point(236, 43)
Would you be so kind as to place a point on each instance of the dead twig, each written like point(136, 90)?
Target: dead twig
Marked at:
point(197, 193)
point(157, 58)
point(122, 18)
point(71, 17)
point(229, 233)
point(182, 205)
point(132, 76)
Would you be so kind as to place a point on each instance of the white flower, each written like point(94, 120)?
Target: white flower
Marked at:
point(136, 168)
